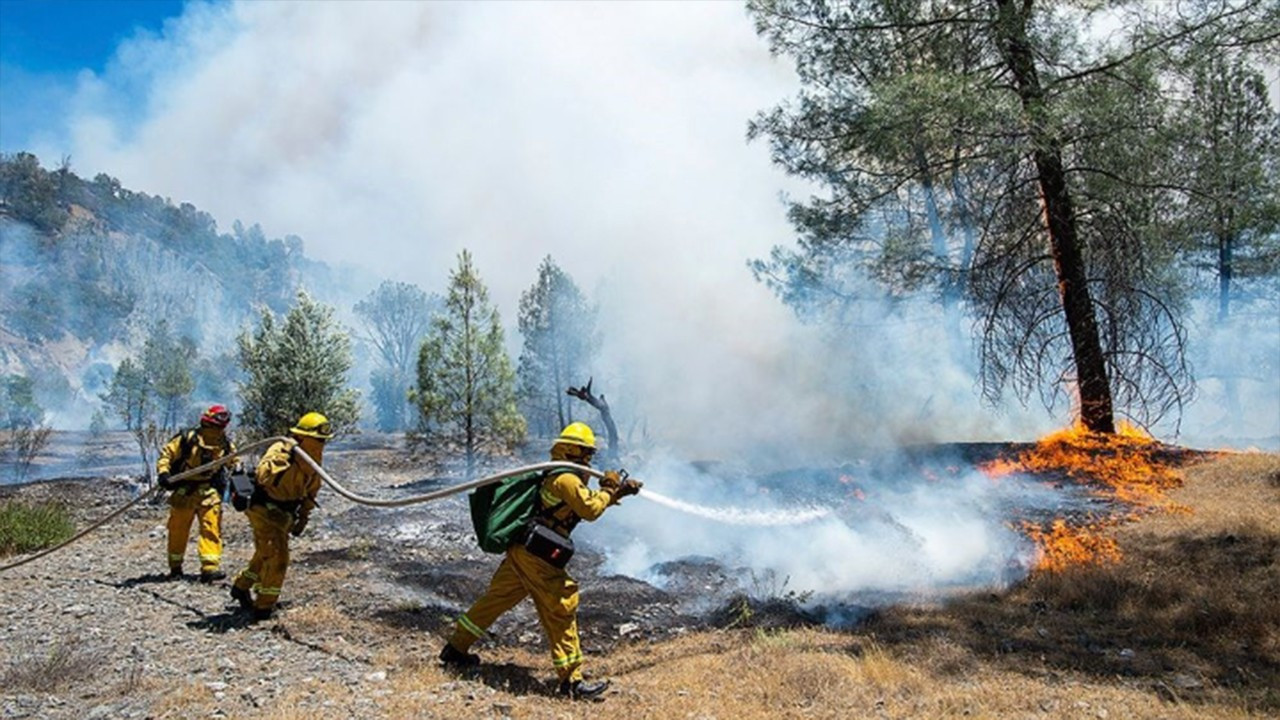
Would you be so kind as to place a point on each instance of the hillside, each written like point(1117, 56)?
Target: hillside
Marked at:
point(87, 266)
point(1184, 626)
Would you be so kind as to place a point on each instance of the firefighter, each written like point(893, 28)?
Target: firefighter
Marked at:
point(199, 496)
point(284, 494)
point(564, 500)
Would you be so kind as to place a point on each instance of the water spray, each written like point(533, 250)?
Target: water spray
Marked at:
point(740, 516)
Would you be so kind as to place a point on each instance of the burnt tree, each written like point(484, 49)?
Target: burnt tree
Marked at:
point(1060, 219)
point(600, 404)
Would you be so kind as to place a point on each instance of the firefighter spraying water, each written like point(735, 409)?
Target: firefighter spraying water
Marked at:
point(530, 519)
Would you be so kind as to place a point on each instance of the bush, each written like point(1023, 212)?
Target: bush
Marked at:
point(20, 447)
point(24, 528)
point(295, 367)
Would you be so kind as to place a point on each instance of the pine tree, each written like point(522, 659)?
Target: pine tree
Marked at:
point(465, 392)
point(1230, 137)
point(132, 399)
point(166, 363)
point(560, 339)
point(994, 148)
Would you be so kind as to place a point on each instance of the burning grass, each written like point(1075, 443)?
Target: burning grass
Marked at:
point(1186, 611)
point(1129, 469)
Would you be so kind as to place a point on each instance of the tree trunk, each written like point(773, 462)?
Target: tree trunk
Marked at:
point(1096, 410)
point(1224, 276)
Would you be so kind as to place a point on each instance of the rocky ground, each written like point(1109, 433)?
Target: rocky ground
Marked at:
point(99, 630)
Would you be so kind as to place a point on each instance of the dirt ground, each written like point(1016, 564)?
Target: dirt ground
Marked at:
point(1186, 625)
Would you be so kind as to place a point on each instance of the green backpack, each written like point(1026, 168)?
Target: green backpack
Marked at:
point(500, 513)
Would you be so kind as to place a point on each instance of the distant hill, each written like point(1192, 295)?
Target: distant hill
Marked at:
point(87, 266)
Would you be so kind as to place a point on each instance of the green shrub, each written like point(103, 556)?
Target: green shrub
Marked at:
point(24, 528)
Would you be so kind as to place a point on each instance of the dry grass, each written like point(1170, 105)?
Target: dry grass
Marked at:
point(1188, 617)
point(1185, 626)
point(55, 666)
point(190, 699)
point(315, 619)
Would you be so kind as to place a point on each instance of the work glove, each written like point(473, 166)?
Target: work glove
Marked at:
point(611, 481)
point(163, 481)
point(299, 524)
point(629, 487)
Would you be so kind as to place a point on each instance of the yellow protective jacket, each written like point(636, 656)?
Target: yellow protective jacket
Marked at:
point(579, 502)
point(201, 445)
point(287, 481)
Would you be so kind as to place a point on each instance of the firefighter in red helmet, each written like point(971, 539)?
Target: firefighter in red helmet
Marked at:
point(198, 497)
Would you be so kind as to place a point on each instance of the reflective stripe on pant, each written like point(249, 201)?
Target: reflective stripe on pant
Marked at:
point(186, 507)
point(555, 596)
point(266, 570)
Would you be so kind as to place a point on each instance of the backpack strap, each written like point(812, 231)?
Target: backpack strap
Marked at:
point(185, 439)
point(186, 442)
point(547, 515)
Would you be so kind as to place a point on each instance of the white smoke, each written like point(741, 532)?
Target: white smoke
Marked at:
point(1237, 368)
point(895, 530)
point(392, 135)
point(610, 136)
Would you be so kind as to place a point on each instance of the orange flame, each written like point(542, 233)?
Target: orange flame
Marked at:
point(1126, 467)
point(1062, 546)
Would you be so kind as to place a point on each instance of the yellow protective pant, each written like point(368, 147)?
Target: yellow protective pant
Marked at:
point(184, 507)
point(555, 595)
point(265, 574)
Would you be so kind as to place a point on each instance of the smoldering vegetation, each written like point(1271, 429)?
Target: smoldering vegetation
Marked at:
point(914, 525)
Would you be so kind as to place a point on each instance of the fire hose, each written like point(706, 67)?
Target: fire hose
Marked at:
point(326, 477)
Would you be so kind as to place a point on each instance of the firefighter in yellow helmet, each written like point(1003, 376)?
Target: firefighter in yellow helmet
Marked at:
point(284, 494)
point(565, 500)
point(198, 497)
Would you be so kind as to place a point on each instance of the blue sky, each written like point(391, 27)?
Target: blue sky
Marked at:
point(46, 44)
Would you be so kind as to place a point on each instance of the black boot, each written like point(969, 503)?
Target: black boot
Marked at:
point(175, 573)
point(242, 597)
point(260, 614)
point(453, 657)
point(582, 690)
point(208, 576)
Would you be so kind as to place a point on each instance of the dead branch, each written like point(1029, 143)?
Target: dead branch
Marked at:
point(600, 404)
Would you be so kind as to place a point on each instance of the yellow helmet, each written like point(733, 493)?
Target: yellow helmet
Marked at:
point(313, 424)
point(577, 434)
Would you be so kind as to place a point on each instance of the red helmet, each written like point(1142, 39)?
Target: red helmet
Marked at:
point(216, 416)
